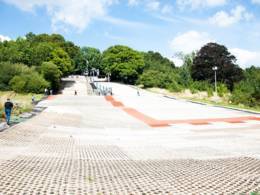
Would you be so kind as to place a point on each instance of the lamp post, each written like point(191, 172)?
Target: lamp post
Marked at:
point(108, 76)
point(86, 69)
point(215, 68)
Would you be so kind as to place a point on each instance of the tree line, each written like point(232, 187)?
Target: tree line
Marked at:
point(36, 62)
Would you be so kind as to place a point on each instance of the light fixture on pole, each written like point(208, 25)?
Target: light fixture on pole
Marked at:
point(215, 68)
point(86, 69)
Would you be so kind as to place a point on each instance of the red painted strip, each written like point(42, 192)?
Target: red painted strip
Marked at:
point(200, 123)
point(117, 104)
point(51, 97)
point(146, 119)
point(255, 118)
point(236, 122)
point(114, 102)
point(109, 98)
point(209, 120)
point(165, 123)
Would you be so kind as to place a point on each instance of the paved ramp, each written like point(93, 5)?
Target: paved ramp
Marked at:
point(85, 145)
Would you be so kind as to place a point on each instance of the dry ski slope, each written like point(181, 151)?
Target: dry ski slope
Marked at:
point(88, 145)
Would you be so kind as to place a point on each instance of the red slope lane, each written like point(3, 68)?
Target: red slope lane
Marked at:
point(164, 123)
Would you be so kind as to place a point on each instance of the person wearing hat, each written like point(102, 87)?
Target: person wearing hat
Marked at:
point(8, 110)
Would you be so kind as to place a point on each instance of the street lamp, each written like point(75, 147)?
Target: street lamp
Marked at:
point(108, 76)
point(86, 70)
point(215, 68)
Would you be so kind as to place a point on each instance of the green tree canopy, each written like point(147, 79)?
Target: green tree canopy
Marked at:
point(123, 63)
point(247, 91)
point(91, 58)
point(213, 54)
point(52, 74)
point(155, 61)
point(60, 58)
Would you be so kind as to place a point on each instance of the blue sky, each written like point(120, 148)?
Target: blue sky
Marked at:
point(167, 26)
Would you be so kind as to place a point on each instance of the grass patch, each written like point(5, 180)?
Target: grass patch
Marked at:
point(240, 106)
point(22, 102)
point(255, 193)
point(222, 101)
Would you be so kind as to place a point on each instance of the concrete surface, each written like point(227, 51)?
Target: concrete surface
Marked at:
point(84, 145)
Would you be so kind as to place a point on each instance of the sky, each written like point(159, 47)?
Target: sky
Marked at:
point(166, 26)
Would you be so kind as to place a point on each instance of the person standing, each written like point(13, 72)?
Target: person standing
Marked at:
point(45, 91)
point(138, 92)
point(33, 99)
point(8, 110)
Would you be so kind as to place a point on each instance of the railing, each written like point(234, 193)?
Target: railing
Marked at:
point(98, 88)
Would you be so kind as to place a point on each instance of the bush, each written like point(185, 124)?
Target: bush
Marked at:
point(243, 94)
point(8, 71)
point(222, 89)
point(29, 82)
point(200, 86)
point(18, 83)
point(52, 74)
point(247, 92)
point(184, 76)
point(175, 87)
point(149, 79)
point(210, 92)
point(154, 78)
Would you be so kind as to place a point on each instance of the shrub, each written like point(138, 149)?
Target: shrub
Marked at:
point(210, 92)
point(8, 71)
point(18, 84)
point(51, 73)
point(149, 79)
point(247, 92)
point(222, 89)
point(174, 87)
point(154, 78)
point(29, 82)
point(243, 94)
point(200, 86)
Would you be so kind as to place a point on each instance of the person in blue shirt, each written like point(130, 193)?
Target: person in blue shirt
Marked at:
point(8, 110)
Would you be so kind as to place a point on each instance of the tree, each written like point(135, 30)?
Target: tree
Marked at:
point(213, 54)
point(72, 50)
point(184, 71)
point(155, 61)
point(247, 91)
point(123, 63)
point(10, 52)
point(90, 58)
point(40, 53)
point(43, 44)
point(52, 74)
point(60, 58)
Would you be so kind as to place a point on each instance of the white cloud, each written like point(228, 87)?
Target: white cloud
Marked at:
point(246, 58)
point(114, 37)
point(76, 13)
point(195, 4)
point(256, 1)
point(190, 41)
point(187, 43)
point(133, 2)
point(224, 19)
point(126, 23)
point(4, 38)
point(166, 9)
point(153, 5)
point(193, 40)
